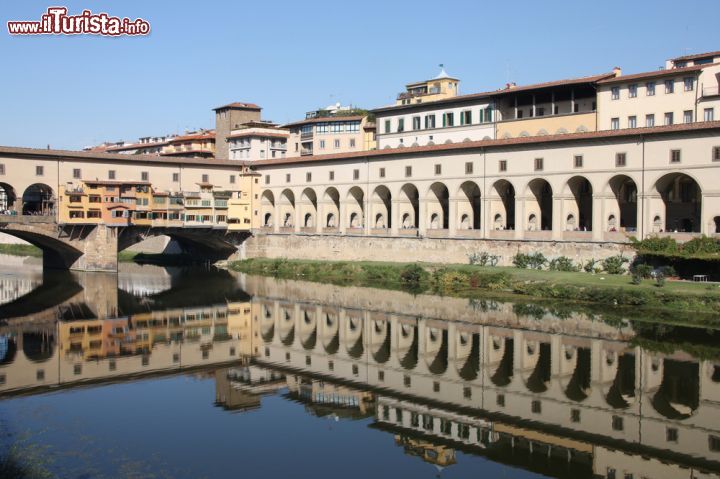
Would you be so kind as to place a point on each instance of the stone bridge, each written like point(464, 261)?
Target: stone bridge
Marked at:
point(95, 247)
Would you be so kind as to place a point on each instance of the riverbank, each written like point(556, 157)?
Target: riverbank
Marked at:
point(552, 288)
point(20, 250)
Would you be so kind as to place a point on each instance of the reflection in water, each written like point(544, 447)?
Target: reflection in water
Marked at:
point(446, 381)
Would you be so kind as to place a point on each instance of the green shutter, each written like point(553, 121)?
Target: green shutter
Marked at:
point(444, 119)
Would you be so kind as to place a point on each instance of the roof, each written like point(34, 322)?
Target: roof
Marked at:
point(22, 153)
point(189, 152)
point(655, 74)
point(258, 133)
point(501, 92)
point(195, 136)
point(324, 119)
point(474, 145)
point(696, 55)
point(115, 182)
point(136, 146)
point(239, 105)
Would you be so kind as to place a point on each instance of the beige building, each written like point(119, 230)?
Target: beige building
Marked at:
point(335, 129)
point(230, 117)
point(257, 140)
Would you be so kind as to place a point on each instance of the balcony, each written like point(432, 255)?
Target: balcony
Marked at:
point(306, 135)
point(711, 91)
point(306, 152)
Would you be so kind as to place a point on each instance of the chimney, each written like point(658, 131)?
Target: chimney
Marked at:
point(617, 71)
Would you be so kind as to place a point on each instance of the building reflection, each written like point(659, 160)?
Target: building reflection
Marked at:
point(564, 397)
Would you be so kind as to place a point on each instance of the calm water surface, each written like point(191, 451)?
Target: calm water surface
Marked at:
point(202, 373)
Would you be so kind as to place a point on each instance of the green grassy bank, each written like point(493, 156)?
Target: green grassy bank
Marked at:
point(548, 290)
point(20, 250)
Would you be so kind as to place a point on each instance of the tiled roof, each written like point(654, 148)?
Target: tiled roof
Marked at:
point(258, 133)
point(115, 182)
point(324, 119)
point(500, 92)
point(195, 136)
point(696, 55)
point(471, 145)
point(246, 106)
point(654, 74)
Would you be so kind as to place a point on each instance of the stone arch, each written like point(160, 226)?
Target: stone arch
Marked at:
point(467, 361)
point(469, 206)
point(331, 207)
point(38, 199)
point(540, 202)
point(438, 204)
point(625, 191)
point(502, 205)
point(8, 198)
point(436, 350)
point(356, 207)
point(578, 388)
point(503, 373)
point(381, 208)
point(267, 208)
point(678, 396)
point(308, 208)
point(682, 200)
point(539, 378)
point(38, 347)
point(331, 333)
point(286, 207)
point(409, 204)
point(354, 344)
point(622, 390)
point(582, 192)
point(407, 351)
point(716, 222)
point(380, 341)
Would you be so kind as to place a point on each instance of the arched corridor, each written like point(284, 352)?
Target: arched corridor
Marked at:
point(38, 199)
point(438, 206)
point(539, 205)
point(625, 212)
point(681, 202)
point(469, 206)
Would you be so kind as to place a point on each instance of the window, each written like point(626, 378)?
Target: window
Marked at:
point(615, 123)
point(144, 176)
point(669, 86)
point(40, 375)
point(469, 168)
point(337, 144)
point(620, 159)
point(401, 125)
point(416, 123)
point(436, 386)
point(687, 116)
point(466, 118)
point(352, 142)
point(632, 121)
point(617, 423)
point(205, 178)
point(356, 174)
point(500, 400)
point(382, 173)
point(688, 83)
point(615, 93)
point(713, 442)
point(438, 169)
point(176, 177)
point(387, 126)
point(650, 120)
point(406, 381)
point(308, 177)
point(331, 175)
point(408, 171)
point(2, 169)
point(503, 165)
point(650, 88)
point(76, 173)
point(232, 179)
point(39, 170)
point(578, 161)
point(671, 434)
point(674, 156)
point(111, 174)
point(669, 118)
point(632, 90)
point(429, 121)
point(322, 144)
point(536, 407)
point(575, 415)
point(287, 178)
point(467, 393)
point(267, 179)
point(538, 164)
point(448, 119)
point(381, 376)
point(716, 153)
point(709, 115)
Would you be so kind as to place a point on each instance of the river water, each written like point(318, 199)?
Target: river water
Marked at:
point(172, 372)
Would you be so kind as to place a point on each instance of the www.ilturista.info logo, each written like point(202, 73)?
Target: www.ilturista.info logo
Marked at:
point(57, 22)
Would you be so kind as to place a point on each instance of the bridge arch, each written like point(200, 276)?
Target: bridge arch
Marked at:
point(38, 199)
point(38, 347)
point(8, 198)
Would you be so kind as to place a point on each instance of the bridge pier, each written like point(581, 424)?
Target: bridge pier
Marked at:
point(99, 248)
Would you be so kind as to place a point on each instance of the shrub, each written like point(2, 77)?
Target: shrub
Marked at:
point(563, 263)
point(668, 271)
point(483, 259)
point(701, 245)
point(636, 278)
point(532, 261)
point(591, 266)
point(521, 261)
point(614, 264)
point(413, 274)
point(643, 270)
point(657, 244)
point(660, 280)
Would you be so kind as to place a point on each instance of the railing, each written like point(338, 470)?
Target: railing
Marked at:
point(305, 152)
point(26, 219)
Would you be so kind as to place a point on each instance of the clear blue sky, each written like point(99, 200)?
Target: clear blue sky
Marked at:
point(291, 57)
